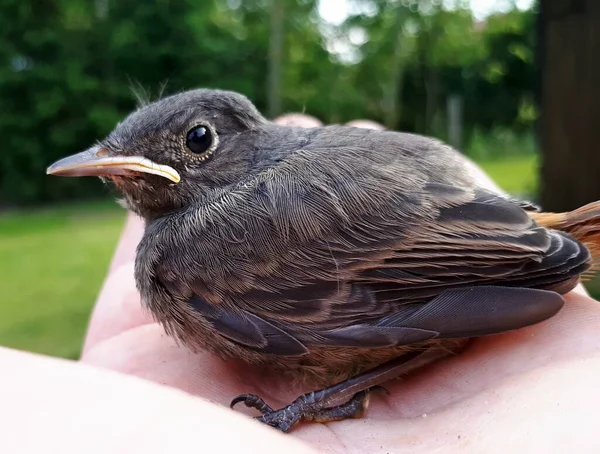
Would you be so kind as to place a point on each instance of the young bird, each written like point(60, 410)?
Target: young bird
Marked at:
point(341, 256)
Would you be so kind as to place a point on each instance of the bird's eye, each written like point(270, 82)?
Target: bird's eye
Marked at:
point(199, 140)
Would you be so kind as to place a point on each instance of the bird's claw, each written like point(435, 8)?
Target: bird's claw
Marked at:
point(252, 401)
point(308, 407)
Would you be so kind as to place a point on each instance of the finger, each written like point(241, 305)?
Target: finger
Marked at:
point(147, 352)
point(130, 237)
point(118, 307)
point(366, 124)
point(298, 119)
point(50, 405)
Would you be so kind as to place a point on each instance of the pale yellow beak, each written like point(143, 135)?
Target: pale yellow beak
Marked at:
point(94, 162)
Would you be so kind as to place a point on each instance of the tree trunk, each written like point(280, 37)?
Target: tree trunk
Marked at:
point(569, 128)
point(275, 58)
point(454, 120)
point(432, 91)
point(393, 91)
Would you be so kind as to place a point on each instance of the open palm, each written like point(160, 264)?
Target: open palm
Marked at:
point(505, 389)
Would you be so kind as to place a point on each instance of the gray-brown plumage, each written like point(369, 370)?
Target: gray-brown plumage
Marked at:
point(321, 252)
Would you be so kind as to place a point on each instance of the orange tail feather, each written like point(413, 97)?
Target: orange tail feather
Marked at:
point(583, 224)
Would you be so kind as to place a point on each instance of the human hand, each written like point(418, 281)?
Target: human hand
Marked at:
point(531, 390)
point(513, 390)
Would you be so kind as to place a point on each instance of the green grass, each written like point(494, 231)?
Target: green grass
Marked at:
point(517, 175)
point(511, 159)
point(53, 263)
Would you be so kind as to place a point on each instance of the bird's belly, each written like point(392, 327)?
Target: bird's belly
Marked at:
point(327, 366)
point(320, 366)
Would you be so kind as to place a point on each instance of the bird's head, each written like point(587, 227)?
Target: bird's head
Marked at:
point(167, 154)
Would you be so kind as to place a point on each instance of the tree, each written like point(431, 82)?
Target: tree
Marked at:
point(70, 65)
point(569, 132)
point(275, 57)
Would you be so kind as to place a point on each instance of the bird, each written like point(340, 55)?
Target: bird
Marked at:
point(341, 257)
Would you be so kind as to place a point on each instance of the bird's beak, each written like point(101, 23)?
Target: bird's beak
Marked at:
point(95, 162)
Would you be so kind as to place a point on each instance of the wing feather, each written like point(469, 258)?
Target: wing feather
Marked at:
point(331, 259)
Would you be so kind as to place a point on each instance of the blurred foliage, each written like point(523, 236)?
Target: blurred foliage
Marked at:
point(68, 68)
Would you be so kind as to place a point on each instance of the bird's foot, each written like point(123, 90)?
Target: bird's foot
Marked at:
point(347, 399)
point(312, 406)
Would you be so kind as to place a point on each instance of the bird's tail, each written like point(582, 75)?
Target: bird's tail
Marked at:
point(583, 224)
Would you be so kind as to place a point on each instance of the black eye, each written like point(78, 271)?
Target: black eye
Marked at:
point(199, 140)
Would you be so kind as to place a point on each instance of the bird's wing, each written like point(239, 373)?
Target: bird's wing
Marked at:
point(318, 265)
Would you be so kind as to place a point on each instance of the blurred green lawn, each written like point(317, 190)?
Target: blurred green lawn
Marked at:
point(54, 261)
point(517, 175)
